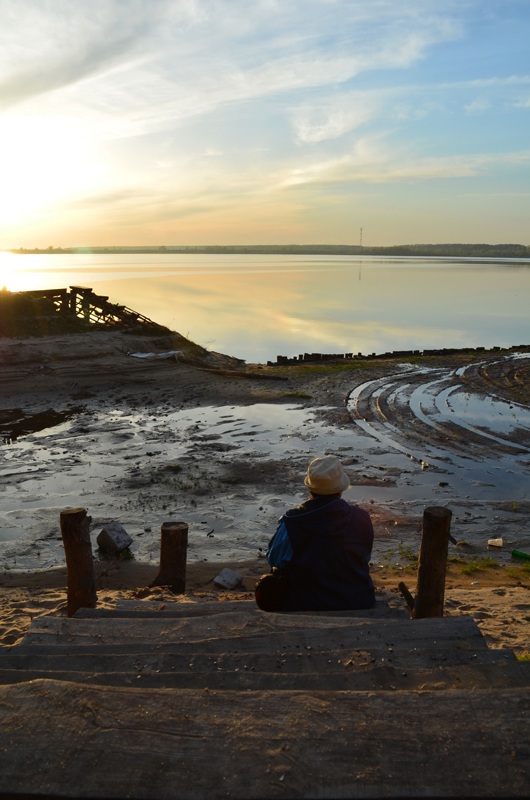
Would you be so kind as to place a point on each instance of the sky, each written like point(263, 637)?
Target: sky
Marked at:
point(159, 122)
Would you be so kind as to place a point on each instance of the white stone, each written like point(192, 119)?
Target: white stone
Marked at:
point(227, 578)
point(114, 537)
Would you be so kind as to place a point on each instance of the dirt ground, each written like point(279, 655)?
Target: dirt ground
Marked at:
point(97, 369)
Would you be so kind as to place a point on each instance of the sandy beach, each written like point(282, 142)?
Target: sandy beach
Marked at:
point(499, 602)
point(144, 440)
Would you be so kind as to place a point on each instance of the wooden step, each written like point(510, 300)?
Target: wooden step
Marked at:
point(472, 676)
point(137, 609)
point(67, 739)
point(189, 609)
point(268, 633)
point(94, 659)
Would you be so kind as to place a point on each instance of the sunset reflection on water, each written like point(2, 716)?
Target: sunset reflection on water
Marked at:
point(256, 307)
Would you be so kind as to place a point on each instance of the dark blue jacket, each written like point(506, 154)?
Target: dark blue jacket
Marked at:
point(332, 572)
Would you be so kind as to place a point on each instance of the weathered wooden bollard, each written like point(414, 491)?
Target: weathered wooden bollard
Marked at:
point(430, 589)
point(79, 563)
point(432, 564)
point(173, 552)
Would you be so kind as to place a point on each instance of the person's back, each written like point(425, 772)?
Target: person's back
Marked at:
point(331, 572)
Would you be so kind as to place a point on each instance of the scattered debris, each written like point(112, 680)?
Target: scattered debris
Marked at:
point(170, 354)
point(228, 579)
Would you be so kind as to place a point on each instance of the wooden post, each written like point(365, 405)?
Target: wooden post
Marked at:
point(173, 551)
point(79, 564)
point(429, 601)
point(407, 595)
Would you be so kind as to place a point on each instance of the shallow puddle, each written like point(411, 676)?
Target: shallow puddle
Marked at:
point(14, 424)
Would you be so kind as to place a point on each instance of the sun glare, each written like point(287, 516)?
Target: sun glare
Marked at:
point(43, 162)
point(10, 277)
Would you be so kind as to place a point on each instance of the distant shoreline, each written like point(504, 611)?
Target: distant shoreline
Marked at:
point(425, 250)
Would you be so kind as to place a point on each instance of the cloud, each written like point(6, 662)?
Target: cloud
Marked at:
point(371, 163)
point(321, 119)
point(333, 118)
point(496, 194)
point(495, 82)
point(153, 110)
point(44, 48)
point(479, 104)
point(170, 60)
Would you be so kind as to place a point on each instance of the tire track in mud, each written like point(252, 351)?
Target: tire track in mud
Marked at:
point(450, 410)
point(468, 443)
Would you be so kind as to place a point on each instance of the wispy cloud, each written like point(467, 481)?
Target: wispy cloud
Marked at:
point(183, 58)
point(45, 48)
point(369, 163)
point(477, 105)
point(333, 118)
point(320, 119)
point(138, 112)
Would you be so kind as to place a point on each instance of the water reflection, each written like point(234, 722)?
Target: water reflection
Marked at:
point(256, 307)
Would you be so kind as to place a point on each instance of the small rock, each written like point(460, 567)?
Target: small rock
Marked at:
point(114, 538)
point(227, 579)
point(148, 529)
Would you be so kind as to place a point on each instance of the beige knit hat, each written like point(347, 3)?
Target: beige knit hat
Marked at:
point(326, 476)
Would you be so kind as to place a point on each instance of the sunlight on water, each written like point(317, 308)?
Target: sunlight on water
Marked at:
point(256, 307)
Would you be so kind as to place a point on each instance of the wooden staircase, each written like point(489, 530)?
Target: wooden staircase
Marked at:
point(208, 699)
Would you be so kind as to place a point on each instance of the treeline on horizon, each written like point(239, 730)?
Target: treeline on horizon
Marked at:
point(448, 250)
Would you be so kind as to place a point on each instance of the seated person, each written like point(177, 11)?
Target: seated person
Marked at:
point(332, 572)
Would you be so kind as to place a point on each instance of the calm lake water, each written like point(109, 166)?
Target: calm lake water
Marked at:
point(256, 307)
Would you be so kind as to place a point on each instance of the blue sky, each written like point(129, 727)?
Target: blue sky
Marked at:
point(207, 121)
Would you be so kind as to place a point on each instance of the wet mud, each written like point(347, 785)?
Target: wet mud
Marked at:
point(409, 434)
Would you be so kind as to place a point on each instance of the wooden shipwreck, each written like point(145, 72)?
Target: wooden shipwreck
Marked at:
point(82, 302)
